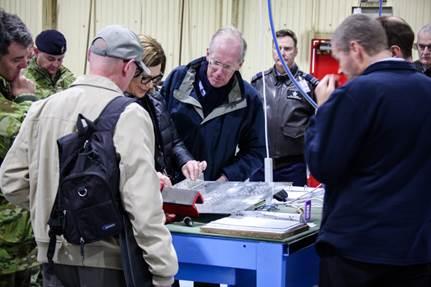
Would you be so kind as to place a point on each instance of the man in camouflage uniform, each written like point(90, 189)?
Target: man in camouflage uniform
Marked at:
point(17, 247)
point(46, 68)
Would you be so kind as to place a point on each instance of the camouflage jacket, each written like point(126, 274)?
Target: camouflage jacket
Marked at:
point(45, 85)
point(17, 247)
point(11, 115)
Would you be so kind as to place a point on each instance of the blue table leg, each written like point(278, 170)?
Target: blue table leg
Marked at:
point(271, 265)
point(270, 268)
point(303, 268)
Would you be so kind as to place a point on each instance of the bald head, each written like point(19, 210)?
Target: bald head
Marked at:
point(232, 37)
point(117, 70)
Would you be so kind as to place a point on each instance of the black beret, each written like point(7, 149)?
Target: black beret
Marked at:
point(51, 42)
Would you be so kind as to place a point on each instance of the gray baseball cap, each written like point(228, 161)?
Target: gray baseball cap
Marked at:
point(121, 43)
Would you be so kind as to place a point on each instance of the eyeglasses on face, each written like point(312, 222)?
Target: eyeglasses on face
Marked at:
point(145, 79)
point(220, 65)
point(421, 47)
point(138, 70)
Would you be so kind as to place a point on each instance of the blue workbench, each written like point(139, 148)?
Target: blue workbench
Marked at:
point(242, 262)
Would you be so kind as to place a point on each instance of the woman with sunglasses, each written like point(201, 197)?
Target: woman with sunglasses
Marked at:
point(171, 156)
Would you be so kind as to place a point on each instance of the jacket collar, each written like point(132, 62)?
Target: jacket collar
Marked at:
point(284, 77)
point(5, 89)
point(389, 65)
point(96, 81)
point(236, 100)
point(235, 95)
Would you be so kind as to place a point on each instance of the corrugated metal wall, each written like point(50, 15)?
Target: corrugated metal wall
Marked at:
point(75, 22)
point(415, 12)
point(201, 19)
point(29, 11)
point(296, 15)
point(184, 27)
point(162, 20)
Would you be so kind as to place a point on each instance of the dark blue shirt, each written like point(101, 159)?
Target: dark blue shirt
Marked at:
point(370, 143)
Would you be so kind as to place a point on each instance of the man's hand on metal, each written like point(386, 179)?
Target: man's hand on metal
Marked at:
point(164, 180)
point(193, 169)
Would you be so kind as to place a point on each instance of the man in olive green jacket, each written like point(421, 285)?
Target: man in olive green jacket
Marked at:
point(17, 247)
point(46, 68)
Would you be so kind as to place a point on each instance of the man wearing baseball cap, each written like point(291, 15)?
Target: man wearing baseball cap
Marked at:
point(121, 44)
point(46, 68)
point(29, 174)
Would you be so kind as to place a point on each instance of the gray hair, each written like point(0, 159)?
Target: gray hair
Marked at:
point(233, 32)
point(425, 29)
point(363, 29)
point(12, 29)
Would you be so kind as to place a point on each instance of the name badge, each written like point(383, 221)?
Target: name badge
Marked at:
point(304, 85)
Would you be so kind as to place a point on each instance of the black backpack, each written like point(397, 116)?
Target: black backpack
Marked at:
point(87, 206)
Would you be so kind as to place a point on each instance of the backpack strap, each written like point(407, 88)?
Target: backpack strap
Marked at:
point(110, 114)
point(107, 121)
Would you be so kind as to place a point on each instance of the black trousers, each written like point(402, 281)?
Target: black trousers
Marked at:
point(17, 279)
point(79, 276)
point(336, 271)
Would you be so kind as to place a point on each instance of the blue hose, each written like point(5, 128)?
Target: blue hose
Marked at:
point(380, 7)
point(286, 68)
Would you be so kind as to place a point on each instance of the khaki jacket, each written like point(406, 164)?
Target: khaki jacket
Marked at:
point(29, 176)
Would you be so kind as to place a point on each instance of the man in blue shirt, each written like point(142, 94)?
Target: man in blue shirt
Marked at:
point(369, 144)
point(217, 114)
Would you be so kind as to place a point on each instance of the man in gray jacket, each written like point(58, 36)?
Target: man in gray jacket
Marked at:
point(288, 112)
point(29, 175)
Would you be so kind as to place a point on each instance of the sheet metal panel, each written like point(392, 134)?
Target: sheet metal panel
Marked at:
point(161, 19)
point(30, 12)
point(416, 12)
point(184, 27)
point(201, 20)
point(292, 14)
point(75, 22)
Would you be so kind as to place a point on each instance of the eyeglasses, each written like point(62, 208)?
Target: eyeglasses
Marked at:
point(138, 70)
point(422, 47)
point(145, 79)
point(220, 65)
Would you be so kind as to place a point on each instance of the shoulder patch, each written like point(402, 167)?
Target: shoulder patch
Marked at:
point(259, 75)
